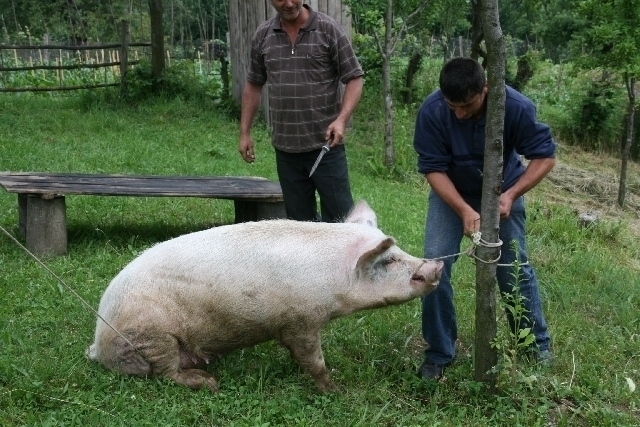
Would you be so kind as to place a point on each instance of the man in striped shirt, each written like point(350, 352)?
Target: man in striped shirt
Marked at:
point(304, 55)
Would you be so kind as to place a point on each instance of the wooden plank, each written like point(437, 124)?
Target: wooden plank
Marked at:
point(240, 188)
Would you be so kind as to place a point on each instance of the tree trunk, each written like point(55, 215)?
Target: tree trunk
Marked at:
point(202, 23)
point(486, 357)
point(476, 33)
point(173, 27)
point(412, 69)
point(124, 55)
point(157, 41)
point(15, 17)
point(626, 151)
point(386, 87)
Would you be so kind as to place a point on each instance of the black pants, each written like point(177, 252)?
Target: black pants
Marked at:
point(330, 180)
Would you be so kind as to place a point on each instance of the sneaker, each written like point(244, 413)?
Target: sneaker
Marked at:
point(545, 358)
point(429, 371)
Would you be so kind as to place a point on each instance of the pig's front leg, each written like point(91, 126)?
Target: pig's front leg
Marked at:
point(194, 379)
point(305, 348)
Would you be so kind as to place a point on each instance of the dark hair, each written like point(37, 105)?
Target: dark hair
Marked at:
point(461, 79)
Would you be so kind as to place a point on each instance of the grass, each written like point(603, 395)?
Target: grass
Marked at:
point(590, 291)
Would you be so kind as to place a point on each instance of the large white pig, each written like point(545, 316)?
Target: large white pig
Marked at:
point(190, 299)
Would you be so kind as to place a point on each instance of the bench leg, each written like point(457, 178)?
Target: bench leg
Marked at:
point(22, 214)
point(46, 225)
point(255, 211)
point(271, 210)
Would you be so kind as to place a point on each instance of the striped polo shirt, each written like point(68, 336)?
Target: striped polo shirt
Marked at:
point(304, 94)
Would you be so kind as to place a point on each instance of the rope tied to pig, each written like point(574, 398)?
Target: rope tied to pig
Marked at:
point(476, 238)
point(85, 303)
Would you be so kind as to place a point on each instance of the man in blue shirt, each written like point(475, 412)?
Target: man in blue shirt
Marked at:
point(449, 139)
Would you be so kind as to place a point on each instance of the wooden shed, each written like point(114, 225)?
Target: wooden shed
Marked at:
point(244, 18)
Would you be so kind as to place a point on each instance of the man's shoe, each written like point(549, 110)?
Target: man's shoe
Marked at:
point(545, 358)
point(431, 371)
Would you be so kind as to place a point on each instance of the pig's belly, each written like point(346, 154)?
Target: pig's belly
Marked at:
point(206, 326)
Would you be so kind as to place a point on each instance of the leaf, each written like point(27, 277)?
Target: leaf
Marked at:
point(631, 384)
point(529, 340)
point(529, 380)
point(524, 332)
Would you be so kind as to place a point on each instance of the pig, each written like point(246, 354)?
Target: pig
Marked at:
point(201, 295)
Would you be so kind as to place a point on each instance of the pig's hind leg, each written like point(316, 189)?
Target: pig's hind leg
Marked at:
point(305, 348)
point(169, 359)
point(164, 356)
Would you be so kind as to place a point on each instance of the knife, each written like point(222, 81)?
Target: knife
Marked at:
point(325, 148)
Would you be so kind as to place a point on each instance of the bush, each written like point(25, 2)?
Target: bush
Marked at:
point(583, 108)
point(180, 81)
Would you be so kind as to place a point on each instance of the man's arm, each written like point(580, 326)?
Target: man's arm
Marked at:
point(536, 170)
point(352, 93)
point(251, 95)
point(442, 185)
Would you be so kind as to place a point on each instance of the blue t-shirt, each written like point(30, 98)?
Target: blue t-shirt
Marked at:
point(445, 143)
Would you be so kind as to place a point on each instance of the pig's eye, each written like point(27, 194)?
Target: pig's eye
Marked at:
point(388, 261)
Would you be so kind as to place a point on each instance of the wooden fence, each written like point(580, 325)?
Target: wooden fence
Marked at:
point(118, 60)
point(52, 57)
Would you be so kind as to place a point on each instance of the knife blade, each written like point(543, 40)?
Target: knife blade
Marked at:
point(325, 148)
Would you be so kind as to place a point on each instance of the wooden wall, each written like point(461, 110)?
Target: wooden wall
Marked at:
point(244, 18)
point(335, 9)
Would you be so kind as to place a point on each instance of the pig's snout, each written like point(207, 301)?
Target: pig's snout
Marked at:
point(429, 273)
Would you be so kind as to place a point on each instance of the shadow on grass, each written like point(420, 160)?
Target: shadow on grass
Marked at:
point(83, 236)
point(134, 234)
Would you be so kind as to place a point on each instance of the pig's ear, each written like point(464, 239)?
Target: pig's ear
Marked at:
point(362, 214)
point(368, 257)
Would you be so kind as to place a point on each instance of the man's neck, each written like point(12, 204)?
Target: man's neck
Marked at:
point(296, 24)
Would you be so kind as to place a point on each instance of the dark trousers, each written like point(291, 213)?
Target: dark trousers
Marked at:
point(330, 180)
point(444, 232)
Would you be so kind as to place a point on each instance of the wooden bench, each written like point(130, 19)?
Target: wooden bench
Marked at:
point(41, 198)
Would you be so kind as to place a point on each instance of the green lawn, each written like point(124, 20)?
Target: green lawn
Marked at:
point(589, 279)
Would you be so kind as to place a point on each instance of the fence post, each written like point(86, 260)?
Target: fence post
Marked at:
point(124, 56)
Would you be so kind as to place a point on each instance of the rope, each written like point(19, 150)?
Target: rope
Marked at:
point(57, 400)
point(86, 304)
point(477, 239)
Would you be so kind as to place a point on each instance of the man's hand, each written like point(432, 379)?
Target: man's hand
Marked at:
point(350, 99)
point(335, 133)
point(251, 95)
point(443, 186)
point(471, 222)
point(533, 174)
point(246, 149)
point(505, 205)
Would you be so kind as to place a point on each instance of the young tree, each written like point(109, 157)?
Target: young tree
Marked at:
point(486, 356)
point(387, 29)
point(612, 43)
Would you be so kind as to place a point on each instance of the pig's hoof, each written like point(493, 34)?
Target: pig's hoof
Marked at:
point(195, 379)
point(326, 386)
